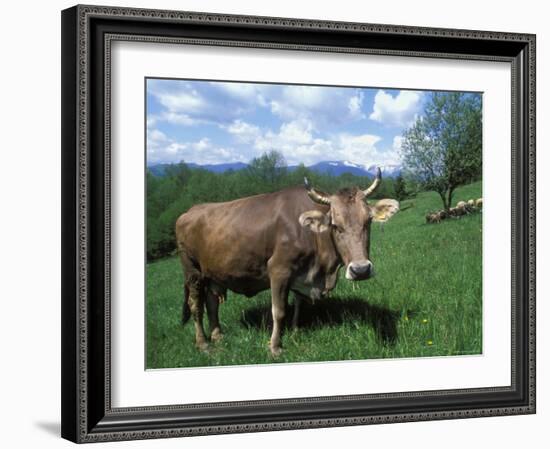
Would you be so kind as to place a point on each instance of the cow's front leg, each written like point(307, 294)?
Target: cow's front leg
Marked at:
point(279, 297)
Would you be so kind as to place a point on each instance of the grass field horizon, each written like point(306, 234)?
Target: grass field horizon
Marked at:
point(425, 300)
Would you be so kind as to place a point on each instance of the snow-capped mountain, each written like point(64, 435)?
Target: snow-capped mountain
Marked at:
point(336, 168)
point(389, 170)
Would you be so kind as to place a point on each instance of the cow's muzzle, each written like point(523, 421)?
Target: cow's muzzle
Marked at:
point(359, 271)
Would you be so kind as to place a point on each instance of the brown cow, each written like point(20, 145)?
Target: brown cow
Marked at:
point(294, 240)
point(433, 217)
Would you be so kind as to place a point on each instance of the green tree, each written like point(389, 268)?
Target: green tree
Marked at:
point(180, 171)
point(270, 168)
point(442, 149)
point(399, 188)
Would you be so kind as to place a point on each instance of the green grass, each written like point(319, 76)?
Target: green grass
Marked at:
point(425, 300)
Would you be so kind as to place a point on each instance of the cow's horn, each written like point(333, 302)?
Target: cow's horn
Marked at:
point(375, 183)
point(314, 195)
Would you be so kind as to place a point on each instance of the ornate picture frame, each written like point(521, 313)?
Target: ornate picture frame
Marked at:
point(87, 35)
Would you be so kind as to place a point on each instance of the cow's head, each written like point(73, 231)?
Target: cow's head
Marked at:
point(348, 220)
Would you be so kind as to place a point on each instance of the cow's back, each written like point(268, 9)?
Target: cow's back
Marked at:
point(232, 242)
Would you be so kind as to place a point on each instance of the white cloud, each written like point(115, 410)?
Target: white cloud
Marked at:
point(307, 124)
point(183, 104)
point(203, 144)
point(319, 105)
point(299, 142)
point(173, 150)
point(306, 97)
point(298, 131)
point(362, 141)
point(360, 149)
point(163, 149)
point(312, 152)
point(221, 103)
point(151, 120)
point(354, 106)
point(244, 132)
point(182, 101)
point(156, 136)
point(396, 111)
point(397, 143)
point(177, 118)
point(296, 140)
point(248, 92)
point(291, 137)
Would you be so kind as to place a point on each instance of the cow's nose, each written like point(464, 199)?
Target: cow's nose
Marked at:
point(361, 271)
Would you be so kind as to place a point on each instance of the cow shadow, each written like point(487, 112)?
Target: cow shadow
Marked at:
point(331, 312)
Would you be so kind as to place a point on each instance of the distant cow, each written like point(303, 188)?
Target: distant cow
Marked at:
point(457, 211)
point(479, 203)
point(466, 206)
point(436, 217)
point(431, 218)
point(294, 240)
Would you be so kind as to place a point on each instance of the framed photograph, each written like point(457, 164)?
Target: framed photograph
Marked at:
point(276, 224)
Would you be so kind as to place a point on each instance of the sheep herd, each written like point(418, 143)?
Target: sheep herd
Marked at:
point(462, 208)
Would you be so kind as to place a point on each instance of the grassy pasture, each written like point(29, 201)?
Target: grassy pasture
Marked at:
point(425, 300)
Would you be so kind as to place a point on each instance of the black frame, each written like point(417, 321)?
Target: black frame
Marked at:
point(87, 32)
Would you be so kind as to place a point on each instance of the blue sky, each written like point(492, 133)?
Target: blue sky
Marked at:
point(211, 122)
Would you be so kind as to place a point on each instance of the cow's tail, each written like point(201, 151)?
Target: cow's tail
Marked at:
point(186, 311)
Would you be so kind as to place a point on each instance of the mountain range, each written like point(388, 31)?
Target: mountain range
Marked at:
point(337, 168)
point(334, 168)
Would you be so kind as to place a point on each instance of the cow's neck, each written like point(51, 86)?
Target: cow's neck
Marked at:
point(329, 259)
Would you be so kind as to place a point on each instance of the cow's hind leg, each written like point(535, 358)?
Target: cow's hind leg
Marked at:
point(213, 299)
point(194, 298)
point(186, 310)
point(298, 300)
point(196, 306)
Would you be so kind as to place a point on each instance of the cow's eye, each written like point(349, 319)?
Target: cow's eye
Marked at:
point(337, 228)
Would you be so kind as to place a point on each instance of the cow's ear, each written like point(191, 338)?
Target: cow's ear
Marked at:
point(383, 210)
point(315, 220)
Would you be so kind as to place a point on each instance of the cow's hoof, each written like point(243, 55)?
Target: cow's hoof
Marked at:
point(216, 335)
point(277, 351)
point(202, 346)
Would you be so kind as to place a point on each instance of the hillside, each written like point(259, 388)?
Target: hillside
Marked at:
point(425, 300)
